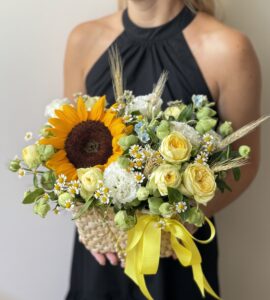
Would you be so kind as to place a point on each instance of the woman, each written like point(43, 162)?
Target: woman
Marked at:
point(203, 56)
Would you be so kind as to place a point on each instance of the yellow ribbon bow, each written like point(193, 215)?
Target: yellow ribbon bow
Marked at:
point(143, 251)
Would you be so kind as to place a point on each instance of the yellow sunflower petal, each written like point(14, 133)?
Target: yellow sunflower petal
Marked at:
point(97, 111)
point(56, 142)
point(108, 118)
point(81, 110)
point(61, 154)
point(117, 128)
point(61, 124)
point(57, 132)
point(71, 114)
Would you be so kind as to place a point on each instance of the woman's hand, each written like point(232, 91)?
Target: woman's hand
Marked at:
point(101, 258)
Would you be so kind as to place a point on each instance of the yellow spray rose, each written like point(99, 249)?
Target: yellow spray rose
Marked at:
point(199, 182)
point(165, 176)
point(89, 178)
point(175, 148)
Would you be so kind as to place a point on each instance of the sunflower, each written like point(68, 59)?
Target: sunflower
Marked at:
point(84, 139)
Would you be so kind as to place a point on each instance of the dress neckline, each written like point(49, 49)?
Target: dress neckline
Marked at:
point(164, 31)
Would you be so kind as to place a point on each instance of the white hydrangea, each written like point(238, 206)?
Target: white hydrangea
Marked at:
point(55, 104)
point(121, 183)
point(141, 104)
point(188, 131)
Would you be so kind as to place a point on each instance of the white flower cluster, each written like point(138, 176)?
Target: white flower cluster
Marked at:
point(62, 185)
point(142, 104)
point(121, 183)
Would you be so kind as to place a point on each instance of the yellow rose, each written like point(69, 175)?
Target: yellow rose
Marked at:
point(165, 176)
point(175, 148)
point(89, 178)
point(199, 182)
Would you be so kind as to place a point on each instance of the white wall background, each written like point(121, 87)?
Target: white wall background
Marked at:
point(35, 255)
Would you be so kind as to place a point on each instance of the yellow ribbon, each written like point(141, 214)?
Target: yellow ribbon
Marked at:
point(143, 251)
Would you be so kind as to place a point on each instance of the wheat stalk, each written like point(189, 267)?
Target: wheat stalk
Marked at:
point(241, 132)
point(157, 92)
point(229, 164)
point(116, 66)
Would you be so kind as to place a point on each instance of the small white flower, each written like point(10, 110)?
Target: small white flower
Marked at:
point(28, 136)
point(57, 189)
point(104, 199)
point(181, 206)
point(202, 158)
point(139, 177)
point(21, 173)
point(73, 190)
point(69, 205)
point(61, 180)
point(134, 150)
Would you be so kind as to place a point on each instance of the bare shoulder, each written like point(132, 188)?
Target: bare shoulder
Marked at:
point(224, 43)
point(95, 31)
point(88, 40)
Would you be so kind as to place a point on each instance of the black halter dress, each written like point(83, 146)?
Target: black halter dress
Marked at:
point(146, 52)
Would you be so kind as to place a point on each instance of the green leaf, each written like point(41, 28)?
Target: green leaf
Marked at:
point(53, 196)
point(186, 113)
point(236, 173)
point(152, 135)
point(222, 185)
point(35, 181)
point(174, 195)
point(83, 209)
point(32, 196)
point(228, 152)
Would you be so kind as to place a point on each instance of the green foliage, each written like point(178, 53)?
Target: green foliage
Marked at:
point(31, 197)
point(236, 174)
point(84, 209)
point(174, 195)
point(222, 185)
point(186, 114)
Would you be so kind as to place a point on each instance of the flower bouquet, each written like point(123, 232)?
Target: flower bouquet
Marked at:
point(133, 175)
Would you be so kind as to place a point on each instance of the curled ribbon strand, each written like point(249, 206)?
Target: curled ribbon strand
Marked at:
point(143, 251)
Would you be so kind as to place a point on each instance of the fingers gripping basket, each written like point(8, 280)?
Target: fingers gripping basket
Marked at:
point(98, 232)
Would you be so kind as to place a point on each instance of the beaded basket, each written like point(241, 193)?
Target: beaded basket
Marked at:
point(98, 232)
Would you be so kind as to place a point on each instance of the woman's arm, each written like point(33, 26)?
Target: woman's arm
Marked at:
point(239, 83)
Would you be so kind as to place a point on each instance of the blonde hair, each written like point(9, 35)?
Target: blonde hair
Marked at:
point(207, 6)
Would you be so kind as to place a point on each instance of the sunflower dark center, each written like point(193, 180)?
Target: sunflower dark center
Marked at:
point(89, 144)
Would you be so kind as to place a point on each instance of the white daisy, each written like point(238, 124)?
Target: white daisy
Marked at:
point(28, 136)
point(181, 206)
